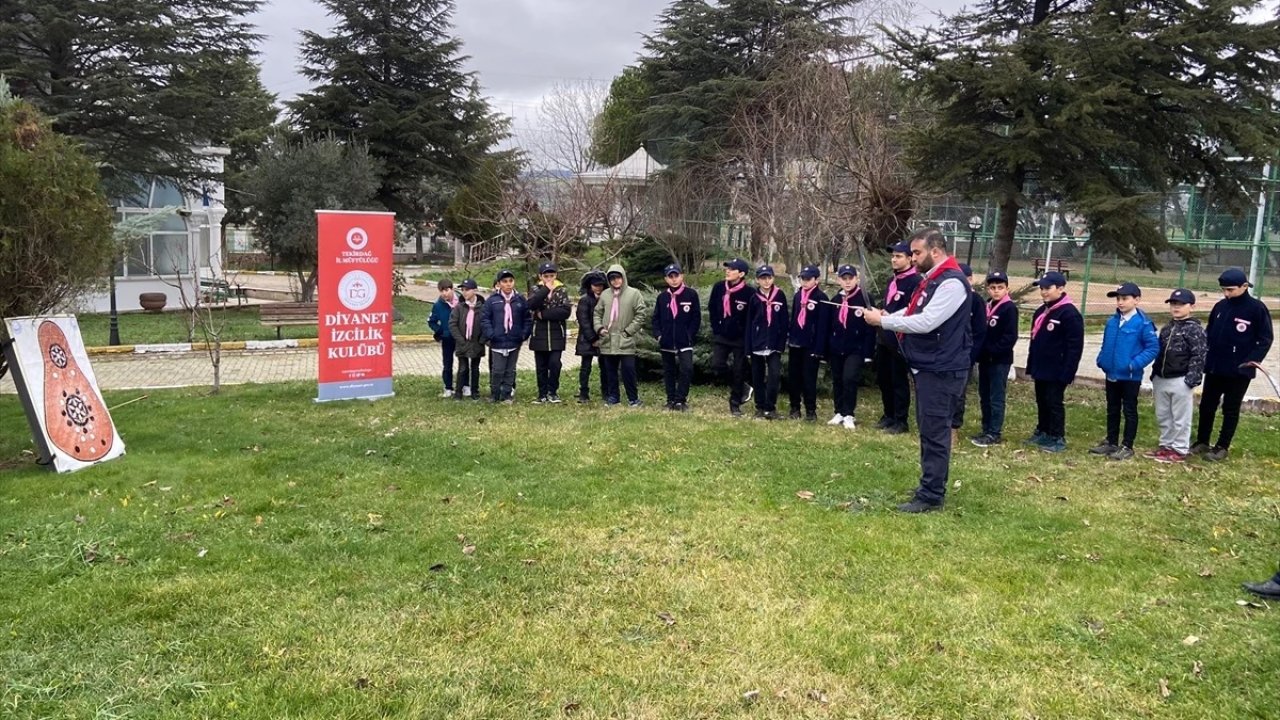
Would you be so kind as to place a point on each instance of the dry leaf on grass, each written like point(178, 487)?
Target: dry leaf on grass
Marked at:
point(1206, 573)
point(817, 696)
point(468, 549)
point(805, 494)
point(438, 567)
point(667, 618)
point(751, 696)
point(1197, 668)
point(571, 708)
point(361, 683)
point(1164, 688)
point(1190, 640)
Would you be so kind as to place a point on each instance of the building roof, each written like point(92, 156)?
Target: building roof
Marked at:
point(635, 170)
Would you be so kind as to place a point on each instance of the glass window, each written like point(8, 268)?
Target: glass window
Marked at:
point(169, 254)
point(166, 194)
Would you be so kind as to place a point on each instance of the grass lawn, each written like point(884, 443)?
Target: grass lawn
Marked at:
point(239, 323)
point(259, 556)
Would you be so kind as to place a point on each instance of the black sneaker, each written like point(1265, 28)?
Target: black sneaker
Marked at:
point(1105, 447)
point(761, 415)
point(554, 399)
point(811, 417)
point(983, 440)
point(884, 423)
point(919, 506)
point(794, 415)
point(540, 401)
point(771, 415)
point(584, 399)
point(735, 411)
point(1199, 449)
point(669, 406)
point(681, 407)
point(635, 403)
point(896, 430)
point(1121, 453)
point(1216, 454)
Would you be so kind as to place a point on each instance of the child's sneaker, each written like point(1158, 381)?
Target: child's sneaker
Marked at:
point(1121, 453)
point(849, 423)
point(836, 419)
point(554, 399)
point(1155, 454)
point(1171, 456)
point(1036, 438)
point(1103, 448)
point(1054, 444)
point(447, 393)
point(1216, 454)
point(466, 392)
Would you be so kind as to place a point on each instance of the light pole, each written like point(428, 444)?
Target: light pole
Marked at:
point(975, 224)
point(1084, 241)
point(113, 329)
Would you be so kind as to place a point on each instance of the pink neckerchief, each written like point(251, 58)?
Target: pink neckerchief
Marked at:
point(804, 305)
point(729, 290)
point(844, 308)
point(471, 318)
point(613, 311)
point(507, 320)
point(674, 293)
point(993, 308)
point(768, 305)
point(1063, 301)
point(452, 303)
point(893, 284)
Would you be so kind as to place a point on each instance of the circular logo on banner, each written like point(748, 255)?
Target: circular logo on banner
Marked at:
point(357, 290)
point(357, 238)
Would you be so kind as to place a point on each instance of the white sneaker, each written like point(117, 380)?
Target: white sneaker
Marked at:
point(446, 393)
point(836, 419)
point(466, 391)
point(849, 423)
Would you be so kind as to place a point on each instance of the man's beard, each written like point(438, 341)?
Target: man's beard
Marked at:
point(925, 263)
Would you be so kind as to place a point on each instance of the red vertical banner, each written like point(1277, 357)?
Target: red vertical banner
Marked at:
point(355, 304)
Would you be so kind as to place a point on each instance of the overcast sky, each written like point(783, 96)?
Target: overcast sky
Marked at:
point(518, 48)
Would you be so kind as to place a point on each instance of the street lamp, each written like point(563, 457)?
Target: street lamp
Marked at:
point(1084, 241)
point(975, 224)
point(113, 333)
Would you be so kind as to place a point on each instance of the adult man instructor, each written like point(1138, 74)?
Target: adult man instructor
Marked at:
point(936, 339)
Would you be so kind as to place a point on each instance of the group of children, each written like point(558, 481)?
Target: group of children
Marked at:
point(753, 326)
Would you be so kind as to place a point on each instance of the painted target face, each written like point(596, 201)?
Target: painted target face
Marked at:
point(76, 420)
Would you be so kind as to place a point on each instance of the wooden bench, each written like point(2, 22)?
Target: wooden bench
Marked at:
point(1054, 264)
point(288, 313)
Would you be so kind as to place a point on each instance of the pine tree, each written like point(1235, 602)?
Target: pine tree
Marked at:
point(1102, 105)
point(129, 78)
point(391, 76)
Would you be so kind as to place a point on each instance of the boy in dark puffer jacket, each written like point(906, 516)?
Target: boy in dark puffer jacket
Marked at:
point(588, 343)
point(549, 307)
point(677, 316)
point(1178, 369)
point(464, 325)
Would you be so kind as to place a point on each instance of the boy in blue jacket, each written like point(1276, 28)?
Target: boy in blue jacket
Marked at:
point(1129, 344)
point(505, 325)
point(806, 344)
point(1239, 333)
point(850, 345)
point(677, 316)
point(439, 324)
point(1053, 357)
point(764, 339)
point(995, 357)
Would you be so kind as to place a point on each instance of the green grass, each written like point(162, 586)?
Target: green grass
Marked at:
point(259, 556)
point(138, 328)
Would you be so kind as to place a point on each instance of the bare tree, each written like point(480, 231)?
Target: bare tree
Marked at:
point(565, 123)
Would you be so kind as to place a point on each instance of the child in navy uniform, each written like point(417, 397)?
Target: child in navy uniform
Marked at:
point(1057, 342)
point(727, 311)
point(439, 324)
point(977, 332)
point(677, 316)
point(892, 374)
point(765, 339)
point(806, 344)
point(1129, 345)
point(850, 345)
point(506, 324)
point(464, 326)
point(1239, 333)
point(995, 358)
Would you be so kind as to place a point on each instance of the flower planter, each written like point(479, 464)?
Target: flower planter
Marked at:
point(152, 301)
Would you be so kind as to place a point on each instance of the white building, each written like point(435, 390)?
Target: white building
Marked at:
point(183, 246)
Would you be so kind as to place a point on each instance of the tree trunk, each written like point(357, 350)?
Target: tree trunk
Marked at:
point(418, 257)
point(1005, 230)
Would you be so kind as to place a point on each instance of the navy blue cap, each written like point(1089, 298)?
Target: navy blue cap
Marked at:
point(1182, 295)
point(997, 276)
point(1052, 278)
point(764, 270)
point(847, 270)
point(904, 248)
point(468, 284)
point(810, 272)
point(738, 264)
point(547, 267)
point(964, 268)
point(672, 269)
point(1130, 289)
point(504, 274)
point(1233, 277)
